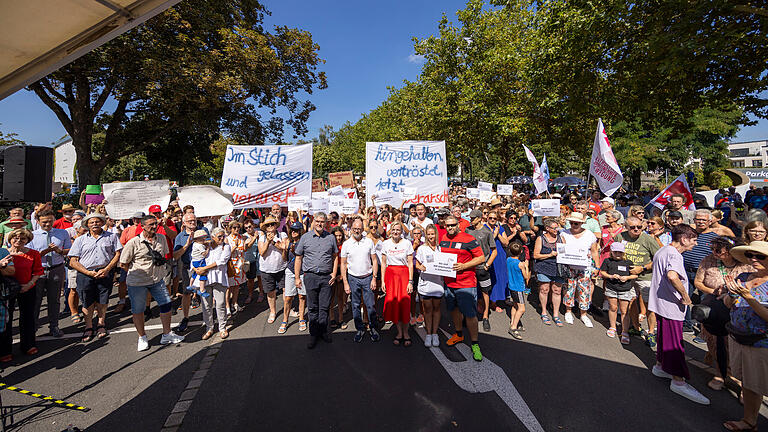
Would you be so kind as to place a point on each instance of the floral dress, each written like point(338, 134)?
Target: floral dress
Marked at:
point(237, 243)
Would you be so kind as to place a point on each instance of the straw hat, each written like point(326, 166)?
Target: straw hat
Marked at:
point(269, 220)
point(495, 202)
point(67, 207)
point(576, 217)
point(760, 247)
point(199, 234)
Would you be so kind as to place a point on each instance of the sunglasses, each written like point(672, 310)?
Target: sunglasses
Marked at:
point(635, 227)
point(451, 225)
point(757, 256)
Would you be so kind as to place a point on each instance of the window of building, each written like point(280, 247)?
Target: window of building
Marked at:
point(757, 163)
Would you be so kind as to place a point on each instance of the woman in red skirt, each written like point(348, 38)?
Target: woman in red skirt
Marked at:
point(397, 266)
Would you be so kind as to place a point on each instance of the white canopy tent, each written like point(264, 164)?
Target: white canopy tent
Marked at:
point(39, 36)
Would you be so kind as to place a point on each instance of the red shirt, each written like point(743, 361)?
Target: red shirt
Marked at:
point(467, 249)
point(62, 223)
point(463, 224)
point(27, 264)
point(134, 230)
point(441, 233)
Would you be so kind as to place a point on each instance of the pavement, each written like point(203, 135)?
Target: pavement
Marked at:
point(556, 379)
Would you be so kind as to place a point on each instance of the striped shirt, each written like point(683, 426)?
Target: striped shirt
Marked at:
point(693, 257)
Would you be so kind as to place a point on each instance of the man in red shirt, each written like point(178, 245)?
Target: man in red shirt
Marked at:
point(463, 223)
point(65, 221)
point(461, 291)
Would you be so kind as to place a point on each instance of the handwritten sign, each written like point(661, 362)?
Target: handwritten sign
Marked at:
point(393, 166)
point(208, 200)
point(485, 186)
point(546, 207)
point(126, 198)
point(572, 254)
point(298, 203)
point(441, 264)
point(318, 185)
point(318, 205)
point(473, 193)
point(344, 179)
point(504, 189)
point(259, 176)
point(350, 206)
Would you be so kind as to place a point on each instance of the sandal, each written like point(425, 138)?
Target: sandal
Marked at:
point(397, 341)
point(344, 325)
point(87, 335)
point(641, 318)
point(733, 425)
point(545, 319)
point(302, 325)
point(32, 351)
point(283, 328)
point(716, 384)
point(101, 332)
point(625, 338)
point(207, 335)
point(76, 319)
point(557, 321)
point(407, 342)
point(224, 334)
point(611, 332)
point(271, 318)
point(260, 299)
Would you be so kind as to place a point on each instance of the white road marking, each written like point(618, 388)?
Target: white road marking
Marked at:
point(485, 376)
point(125, 329)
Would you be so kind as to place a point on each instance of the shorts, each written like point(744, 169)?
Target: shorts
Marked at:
point(750, 365)
point(483, 279)
point(429, 297)
point(642, 289)
point(93, 290)
point(123, 275)
point(517, 297)
point(290, 285)
point(175, 269)
point(621, 295)
point(272, 281)
point(72, 279)
point(253, 270)
point(138, 296)
point(193, 275)
point(463, 298)
point(185, 277)
point(547, 279)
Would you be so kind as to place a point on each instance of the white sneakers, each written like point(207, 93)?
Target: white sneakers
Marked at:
point(431, 340)
point(170, 338)
point(143, 343)
point(659, 372)
point(569, 317)
point(587, 322)
point(687, 391)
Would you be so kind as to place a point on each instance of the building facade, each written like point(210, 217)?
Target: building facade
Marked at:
point(750, 154)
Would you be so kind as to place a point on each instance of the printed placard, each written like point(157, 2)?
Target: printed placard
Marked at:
point(473, 193)
point(573, 254)
point(442, 265)
point(546, 207)
point(504, 189)
point(318, 205)
point(350, 206)
point(485, 186)
point(299, 203)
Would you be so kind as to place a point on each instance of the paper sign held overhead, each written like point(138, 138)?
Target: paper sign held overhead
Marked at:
point(485, 186)
point(336, 190)
point(126, 198)
point(350, 206)
point(486, 195)
point(504, 189)
point(298, 203)
point(473, 193)
point(208, 200)
point(335, 204)
point(318, 205)
point(345, 179)
point(388, 197)
point(546, 207)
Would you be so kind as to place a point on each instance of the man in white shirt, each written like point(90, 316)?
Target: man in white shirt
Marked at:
point(421, 218)
point(358, 268)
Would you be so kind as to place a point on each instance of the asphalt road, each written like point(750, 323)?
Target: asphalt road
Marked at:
point(556, 379)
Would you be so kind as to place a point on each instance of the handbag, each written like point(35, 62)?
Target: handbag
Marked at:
point(230, 269)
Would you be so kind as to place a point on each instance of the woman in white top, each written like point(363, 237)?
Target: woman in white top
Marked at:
point(218, 282)
point(431, 287)
point(580, 278)
point(397, 266)
point(273, 259)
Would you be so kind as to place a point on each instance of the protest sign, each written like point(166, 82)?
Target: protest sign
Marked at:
point(335, 204)
point(336, 190)
point(259, 176)
point(344, 179)
point(350, 206)
point(318, 185)
point(441, 264)
point(393, 166)
point(503, 189)
point(126, 198)
point(388, 197)
point(546, 207)
point(486, 195)
point(94, 199)
point(409, 193)
point(485, 186)
point(208, 200)
point(473, 193)
point(350, 193)
point(298, 203)
point(573, 254)
point(318, 205)
point(320, 195)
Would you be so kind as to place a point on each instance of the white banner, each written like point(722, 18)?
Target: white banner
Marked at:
point(504, 189)
point(208, 200)
point(298, 203)
point(573, 254)
point(259, 176)
point(124, 199)
point(603, 165)
point(393, 166)
point(546, 207)
point(485, 186)
point(441, 264)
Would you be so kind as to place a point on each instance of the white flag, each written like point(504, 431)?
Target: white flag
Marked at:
point(539, 182)
point(603, 165)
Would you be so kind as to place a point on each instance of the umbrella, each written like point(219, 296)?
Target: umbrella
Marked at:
point(568, 181)
point(521, 179)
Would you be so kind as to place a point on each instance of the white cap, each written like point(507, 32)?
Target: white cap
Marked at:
point(608, 200)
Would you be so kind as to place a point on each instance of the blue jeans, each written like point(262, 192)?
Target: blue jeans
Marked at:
point(361, 287)
point(138, 296)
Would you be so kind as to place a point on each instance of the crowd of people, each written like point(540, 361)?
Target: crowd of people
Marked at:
point(664, 271)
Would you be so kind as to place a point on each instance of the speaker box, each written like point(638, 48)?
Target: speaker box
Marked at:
point(27, 173)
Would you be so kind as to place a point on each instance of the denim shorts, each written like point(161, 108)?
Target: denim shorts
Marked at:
point(547, 279)
point(138, 296)
point(463, 298)
point(291, 290)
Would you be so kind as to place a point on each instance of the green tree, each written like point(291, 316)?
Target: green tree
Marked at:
point(194, 70)
point(9, 139)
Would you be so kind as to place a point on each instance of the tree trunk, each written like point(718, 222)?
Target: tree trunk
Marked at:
point(88, 170)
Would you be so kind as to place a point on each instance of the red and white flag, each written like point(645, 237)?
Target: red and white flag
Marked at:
point(603, 166)
point(539, 181)
point(679, 186)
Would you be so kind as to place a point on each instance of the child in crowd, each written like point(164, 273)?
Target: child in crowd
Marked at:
point(618, 289)
point(199, 253)
point(518, 275)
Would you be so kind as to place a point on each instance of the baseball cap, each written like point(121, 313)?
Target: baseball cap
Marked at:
point(608, 200)
point(297, 226)
point(137, 215)
point(617, 247)
point(155, 209)
point(674, 214)
point(476, 213)
point(443, 211)
point(200, 233)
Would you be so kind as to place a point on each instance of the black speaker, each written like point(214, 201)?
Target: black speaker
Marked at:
point(27, 173)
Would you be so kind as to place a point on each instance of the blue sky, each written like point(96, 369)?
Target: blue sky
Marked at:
point(367, 47)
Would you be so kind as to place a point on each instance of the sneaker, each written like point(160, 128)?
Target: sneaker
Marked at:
point(143, 344)
point(687, 328)
point(413, 320)
point(454, 340)
point(587, 322)
point(182, 327)
point(515, 334)
point(634, 332)
point(358, 336)
point(171, 338)
point(659, 372)
point(428, 341)
point(687, 391)
point(569, 317)
point(520, 326)
point(375, 336)
point(650, 340)
point(486, 325)
point(56, 332)
point(435, 340)
point(476, 354)
point(698, 340)
point(611, 332)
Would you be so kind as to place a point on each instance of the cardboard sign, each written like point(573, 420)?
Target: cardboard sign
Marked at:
point(505, 189)
point(344, 179)
point(546, 207)
point(572, 254)
point(318, 185)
